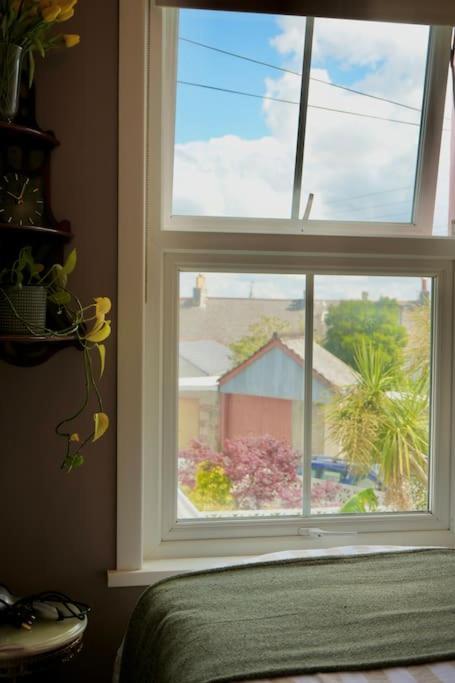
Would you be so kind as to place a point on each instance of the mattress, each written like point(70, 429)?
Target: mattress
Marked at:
point(440, 672)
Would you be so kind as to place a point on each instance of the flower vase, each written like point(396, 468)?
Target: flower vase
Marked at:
point(10, 80)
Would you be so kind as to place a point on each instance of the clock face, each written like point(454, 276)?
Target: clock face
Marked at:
point(21, 199)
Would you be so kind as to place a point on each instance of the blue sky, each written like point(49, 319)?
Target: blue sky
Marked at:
point(205, 114)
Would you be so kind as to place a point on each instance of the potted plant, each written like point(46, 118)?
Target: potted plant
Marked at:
point(28, 27)
point(68, 318)
point(23, 300)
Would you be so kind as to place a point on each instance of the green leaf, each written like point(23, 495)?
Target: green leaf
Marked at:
point(70, 262)
point(60, 275)
point(60, 297)
point(102, 351)
point(78, 460)
point(364, 501)
point(31, 68)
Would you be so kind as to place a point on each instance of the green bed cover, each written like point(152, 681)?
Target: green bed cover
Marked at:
point(294, 617)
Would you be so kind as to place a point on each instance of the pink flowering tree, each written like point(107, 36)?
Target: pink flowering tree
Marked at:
point(261, 469)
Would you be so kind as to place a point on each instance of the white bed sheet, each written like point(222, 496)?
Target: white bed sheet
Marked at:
point(441, 672)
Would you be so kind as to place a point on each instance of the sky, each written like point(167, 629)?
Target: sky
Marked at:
point(235, 155)
point(292, 286)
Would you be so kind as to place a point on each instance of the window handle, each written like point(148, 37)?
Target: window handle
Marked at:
point(319, 533)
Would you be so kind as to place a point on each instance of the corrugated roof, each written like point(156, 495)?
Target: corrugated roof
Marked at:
point(208, 355)
point(331, 368)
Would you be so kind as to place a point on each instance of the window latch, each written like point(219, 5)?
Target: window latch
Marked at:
point(319, 533)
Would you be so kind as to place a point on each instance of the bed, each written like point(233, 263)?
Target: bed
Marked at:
point(441, 669)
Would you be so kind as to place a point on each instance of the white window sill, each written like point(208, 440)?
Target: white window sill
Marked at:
point(155, 570)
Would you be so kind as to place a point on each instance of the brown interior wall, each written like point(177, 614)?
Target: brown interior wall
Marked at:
point(58, 531)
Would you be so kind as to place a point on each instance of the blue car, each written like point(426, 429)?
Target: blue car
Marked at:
point(338, 471)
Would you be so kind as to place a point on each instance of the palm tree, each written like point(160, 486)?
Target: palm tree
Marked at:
point(383, 421)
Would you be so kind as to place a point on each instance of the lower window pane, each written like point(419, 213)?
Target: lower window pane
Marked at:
point(241, 407)
point(371, 402)
point(240, 395)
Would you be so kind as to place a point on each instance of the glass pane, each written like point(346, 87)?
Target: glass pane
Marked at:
point(371, 394)
point(442, 218)
point(363, 124)
point(241, 387)
point(236, 114)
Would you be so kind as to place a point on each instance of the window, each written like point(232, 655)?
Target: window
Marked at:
point(247, 444)
point(302, 393)
point(320, 125)
point(264, 285)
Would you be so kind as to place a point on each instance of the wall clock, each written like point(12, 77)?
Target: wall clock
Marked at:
point(25, 178)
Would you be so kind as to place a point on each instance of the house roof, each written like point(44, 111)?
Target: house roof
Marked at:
point(207, 355)
point(331, 369)
point(227, 319)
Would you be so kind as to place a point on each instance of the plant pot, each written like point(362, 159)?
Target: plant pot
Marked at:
point(23, 310)
point(10, 80)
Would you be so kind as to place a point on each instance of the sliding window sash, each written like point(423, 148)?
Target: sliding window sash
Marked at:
point(427, 166)
point(438, 12)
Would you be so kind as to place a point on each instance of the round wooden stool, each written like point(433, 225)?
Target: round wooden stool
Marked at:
point(46, 645)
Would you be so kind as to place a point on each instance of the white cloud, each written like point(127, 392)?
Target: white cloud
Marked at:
point(345, 156)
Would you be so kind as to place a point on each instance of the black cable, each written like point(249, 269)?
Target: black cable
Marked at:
point(310, 106)
point(296, 73)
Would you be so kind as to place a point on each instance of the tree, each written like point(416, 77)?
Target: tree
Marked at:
point(259, 334)
point(418, 350)
point(383, 421)
point(260, 469)
point(351, 322)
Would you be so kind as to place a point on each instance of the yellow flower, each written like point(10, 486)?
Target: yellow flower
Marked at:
point(71, 39)
point(75, 437)
point(50, 14)
point(65, 15)
point(67, 4)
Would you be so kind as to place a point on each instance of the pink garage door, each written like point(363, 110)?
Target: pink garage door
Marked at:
point(256, 416)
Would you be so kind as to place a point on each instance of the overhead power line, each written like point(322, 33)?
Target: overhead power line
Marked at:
point(370, 194)
point(296, 73)
point(310, 106)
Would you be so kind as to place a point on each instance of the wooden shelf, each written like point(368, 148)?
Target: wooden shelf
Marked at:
point(32, 339)
point(45, 139)
point(28, 350)
point(62, 231)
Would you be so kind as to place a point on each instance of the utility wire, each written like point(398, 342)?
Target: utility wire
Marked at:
point(367, 208)
point(296, 73)
point(370, 194)
point(310, 106)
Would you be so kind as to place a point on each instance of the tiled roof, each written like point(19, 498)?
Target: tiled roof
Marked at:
point(207, 355)
point(226, 320)
point(331, 368)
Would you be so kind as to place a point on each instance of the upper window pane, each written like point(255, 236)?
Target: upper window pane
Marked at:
point(234, 145)
point(361, 149)
point(237, 117)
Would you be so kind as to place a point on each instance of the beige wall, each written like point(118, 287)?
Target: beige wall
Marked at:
point(58, 531)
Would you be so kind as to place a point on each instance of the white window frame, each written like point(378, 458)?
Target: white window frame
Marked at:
point(427, 157)
point(147, 255)
point(437, 519)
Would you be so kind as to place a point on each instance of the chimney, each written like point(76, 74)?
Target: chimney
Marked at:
point(424, 293)
point(200, 292)
point(364, 296)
